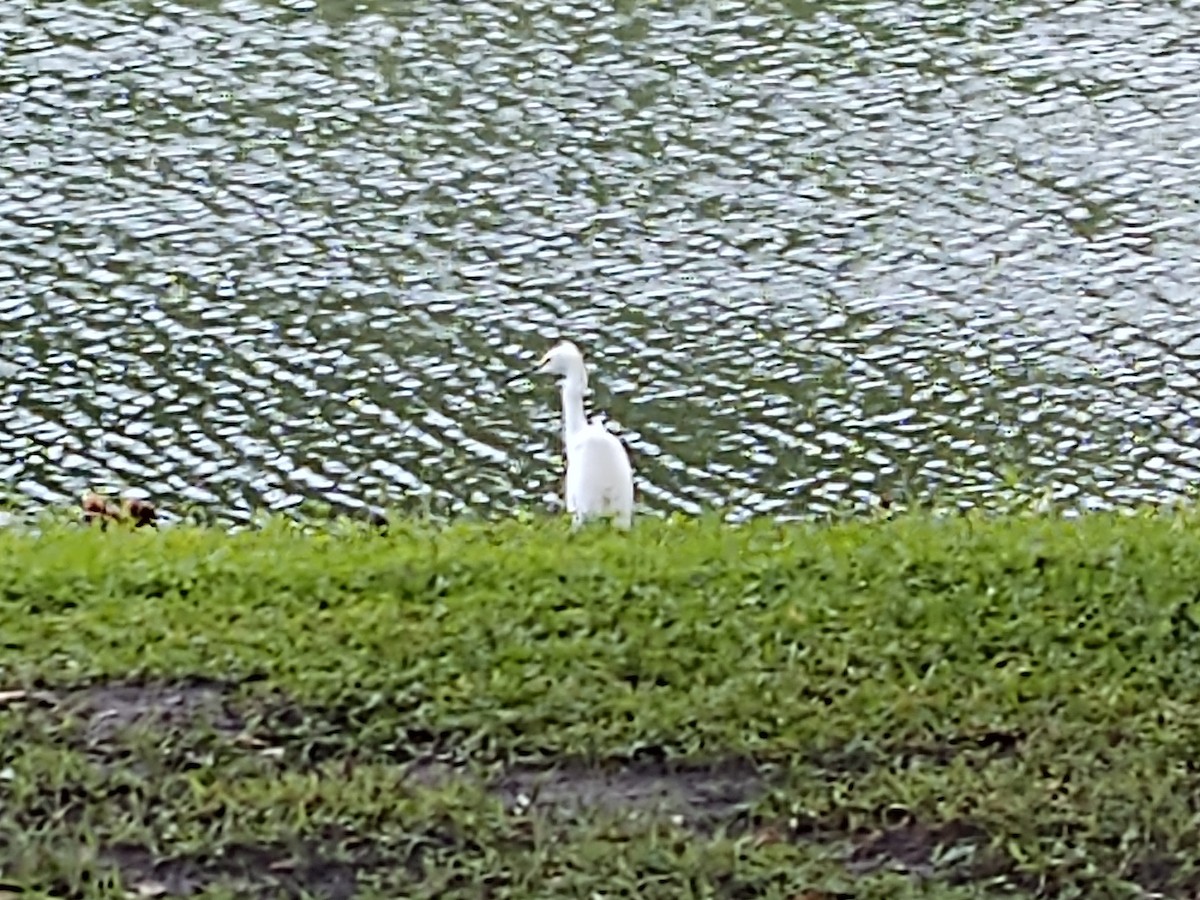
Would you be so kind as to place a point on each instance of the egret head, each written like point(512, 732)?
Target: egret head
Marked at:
point(564, 359)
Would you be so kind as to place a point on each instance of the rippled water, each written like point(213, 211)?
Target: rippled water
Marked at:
point(253, 253)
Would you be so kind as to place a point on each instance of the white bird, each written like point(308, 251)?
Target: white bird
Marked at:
point(599, 476)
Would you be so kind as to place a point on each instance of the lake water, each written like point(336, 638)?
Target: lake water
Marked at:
point(257, 253)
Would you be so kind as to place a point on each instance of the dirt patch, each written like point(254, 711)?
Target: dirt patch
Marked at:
point(917, 848)
point(105, 709)
point(982, 746)
point(302, 872)
point(192, 703)
point(97, 719)
point(696, 794)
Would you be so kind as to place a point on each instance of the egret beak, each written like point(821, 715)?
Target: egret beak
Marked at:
point(526, 373)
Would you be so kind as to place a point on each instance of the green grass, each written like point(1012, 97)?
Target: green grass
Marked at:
point(922, 707)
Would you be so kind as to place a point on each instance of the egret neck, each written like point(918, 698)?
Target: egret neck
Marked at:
point(574, 385)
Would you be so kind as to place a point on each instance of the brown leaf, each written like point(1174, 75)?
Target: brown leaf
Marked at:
point(767, 835)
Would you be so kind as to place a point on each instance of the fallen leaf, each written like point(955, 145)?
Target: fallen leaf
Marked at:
point(17, 696)
point(767, 836)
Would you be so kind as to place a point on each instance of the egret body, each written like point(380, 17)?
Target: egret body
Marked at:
point(599, 476)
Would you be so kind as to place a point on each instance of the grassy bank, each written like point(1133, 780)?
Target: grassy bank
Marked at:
point(915, 708)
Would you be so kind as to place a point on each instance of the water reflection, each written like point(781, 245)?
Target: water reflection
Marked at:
point(254, 253)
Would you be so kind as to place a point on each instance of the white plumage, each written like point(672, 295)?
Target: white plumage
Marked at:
point(599, 476)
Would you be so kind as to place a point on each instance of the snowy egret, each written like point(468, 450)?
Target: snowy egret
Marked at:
point(599, 476)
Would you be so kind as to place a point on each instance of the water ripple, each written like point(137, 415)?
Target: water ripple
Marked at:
point(252, 253)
